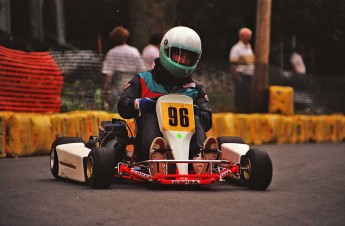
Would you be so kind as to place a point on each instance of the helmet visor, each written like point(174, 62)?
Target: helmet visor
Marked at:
point(183, 56)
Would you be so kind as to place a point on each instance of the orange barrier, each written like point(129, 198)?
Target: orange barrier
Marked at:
point(29, 82)
point(25, 134)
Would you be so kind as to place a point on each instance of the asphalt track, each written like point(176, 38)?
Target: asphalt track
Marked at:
point(308, 188)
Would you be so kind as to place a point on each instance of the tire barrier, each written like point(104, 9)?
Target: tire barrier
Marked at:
point(274, 128)
point(27, 134)
point(29, 82)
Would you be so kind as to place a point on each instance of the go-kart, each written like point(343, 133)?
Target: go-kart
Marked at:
point(97, 161)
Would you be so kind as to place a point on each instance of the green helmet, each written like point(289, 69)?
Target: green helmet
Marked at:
point(180, 51)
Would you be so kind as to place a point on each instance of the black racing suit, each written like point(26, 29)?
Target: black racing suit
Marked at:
point(147, 122)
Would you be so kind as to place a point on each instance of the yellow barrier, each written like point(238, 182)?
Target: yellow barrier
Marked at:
point(285, 130)
point(270, 128)
point(20, 135)
point(4, 116)
point(223, 125)
point(40, 141)
point(242, 127)
point(58, 125)
point(301, 130)
point(281, 100)
point(25, 134)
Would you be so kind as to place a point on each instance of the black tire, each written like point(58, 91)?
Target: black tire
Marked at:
point(119, 149)
point(54, 159)
point(230, 139)
point(91, 143)
point(256, 169)
point(100, 167)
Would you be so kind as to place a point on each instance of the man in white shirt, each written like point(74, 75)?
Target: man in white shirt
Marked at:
point(242, 61)
point(151, 51)
point(297, 63)
point(120, 63)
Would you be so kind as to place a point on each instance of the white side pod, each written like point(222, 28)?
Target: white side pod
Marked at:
point(233, 151)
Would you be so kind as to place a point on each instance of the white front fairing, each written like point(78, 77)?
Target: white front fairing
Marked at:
point(175, 115)
point(233, 151)
point(70, 158)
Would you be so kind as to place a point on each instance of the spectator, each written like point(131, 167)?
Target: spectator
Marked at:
point(151, 51)
point(242, 68)
point(120, 62)
point(297, 63)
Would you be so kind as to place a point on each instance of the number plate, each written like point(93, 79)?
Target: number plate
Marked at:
point(177, 117)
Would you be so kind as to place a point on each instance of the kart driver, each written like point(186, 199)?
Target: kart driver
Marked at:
point(180, 51)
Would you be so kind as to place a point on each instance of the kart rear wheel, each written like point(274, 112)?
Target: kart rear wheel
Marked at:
point(256, 169)
point(229, 139)
point(100, 167)
point(54, 158)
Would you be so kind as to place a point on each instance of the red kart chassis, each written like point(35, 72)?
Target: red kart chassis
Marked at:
point(224, 169)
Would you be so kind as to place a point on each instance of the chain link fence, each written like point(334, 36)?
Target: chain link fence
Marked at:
point(83, 85)
point(313, 94)
point(83, 79)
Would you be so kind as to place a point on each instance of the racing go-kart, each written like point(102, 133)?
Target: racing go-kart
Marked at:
point(104, 157)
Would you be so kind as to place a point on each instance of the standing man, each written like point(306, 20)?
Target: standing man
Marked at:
point(120, 63)
point(242, 68)
point(151, 51)
point(297, 63)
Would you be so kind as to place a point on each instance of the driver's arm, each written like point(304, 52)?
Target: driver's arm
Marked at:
point(131, 92)
point(205, 112)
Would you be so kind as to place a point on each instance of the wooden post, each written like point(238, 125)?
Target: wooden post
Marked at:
point(260, 87)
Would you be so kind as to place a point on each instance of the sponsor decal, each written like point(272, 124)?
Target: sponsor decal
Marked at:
point(140, 173)
point(225, 173)
point(67, 165)
point(185, 182)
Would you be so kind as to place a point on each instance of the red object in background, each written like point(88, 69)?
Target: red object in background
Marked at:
point(29, 81)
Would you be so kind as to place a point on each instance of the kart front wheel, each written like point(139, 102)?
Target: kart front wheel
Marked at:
point(256, 169)
point(99, 169)
point(54, 159)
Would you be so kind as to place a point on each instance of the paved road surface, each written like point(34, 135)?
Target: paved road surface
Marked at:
point(308, 188)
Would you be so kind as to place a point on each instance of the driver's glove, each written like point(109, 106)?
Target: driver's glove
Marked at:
point(144, 105)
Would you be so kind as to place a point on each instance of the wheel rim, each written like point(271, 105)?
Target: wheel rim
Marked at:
point(52, 157)
point(247, 166)
point(89, 167)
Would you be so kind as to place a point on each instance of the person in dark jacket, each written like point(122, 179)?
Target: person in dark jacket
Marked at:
point(180, 51)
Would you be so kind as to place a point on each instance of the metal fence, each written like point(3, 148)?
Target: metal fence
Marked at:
point(313, 94)
point(82, 71)
point(83, 85)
